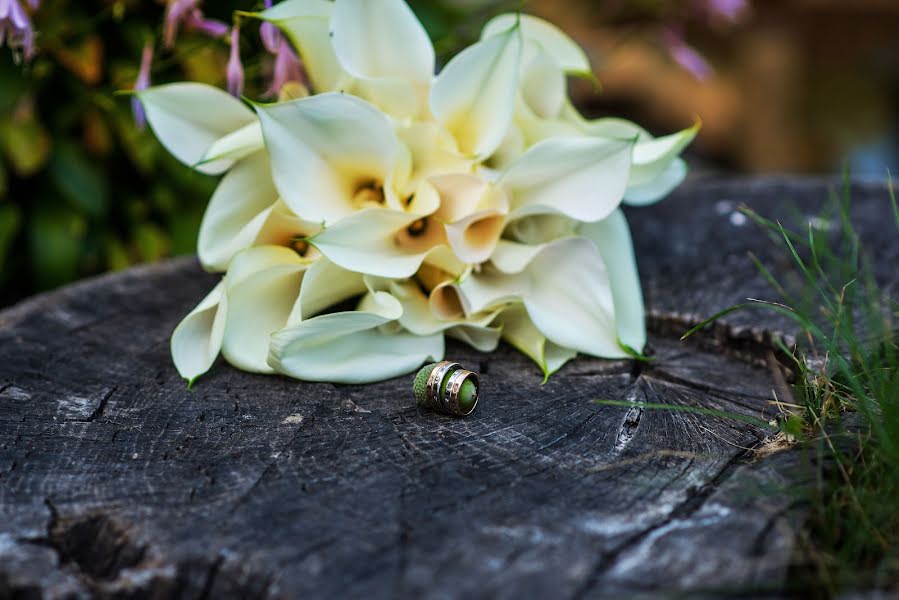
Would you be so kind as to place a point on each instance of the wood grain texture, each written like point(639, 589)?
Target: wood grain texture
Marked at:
point(116, 481)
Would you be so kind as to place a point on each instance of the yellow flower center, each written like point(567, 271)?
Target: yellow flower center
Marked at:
point(418, 227)
point(368, 193)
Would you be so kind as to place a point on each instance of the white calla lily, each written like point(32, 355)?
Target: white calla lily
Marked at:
point(543, 36)
point(474, 94)
point(418, 319)
point(382, 39)
point(543, 86)
point(566, 292)
point(521, 333)
point(237, 212)
point(380, 241)
point(197, 340)
point(262, 286)
point(307, 24)
point(331, 154)
point(383, 45)
point(324, 285)
point(188, 118)
point(579, 177)
point(612, 238)
point(473, 213)
point(236, 145)
point(657, 168)
point(353, 347)
point(650, 192)
point(225, 319)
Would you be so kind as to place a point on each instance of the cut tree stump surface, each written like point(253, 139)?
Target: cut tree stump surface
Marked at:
point(116, 481)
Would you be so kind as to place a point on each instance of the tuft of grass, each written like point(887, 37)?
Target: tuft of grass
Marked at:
point(846, 397)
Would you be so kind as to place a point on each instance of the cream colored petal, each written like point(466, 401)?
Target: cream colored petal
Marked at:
point(236, 212)
point(461, 194)
point(282, 227)
point(482, 339)
point(189, 117)
point(432, 151)
point(447, 303)
point(651, 192)
point(549, 38)
point(566, 292)
point(543, 86)
point(258, 258)
point(474, 238)
point(581, 178)
point(324, 285)
point(381, 39)
point(418, 318)
point(258, 306)
point(511, 257)
point(236, 145)
point(307, 24)
point(536, 230)
point(198, 338)
point(399, 98)
point(474, 95)
point(657, 168)
point(323, 148)
point(352, 347)
point(612, 237)
point(519, 331)
point(375, 241)
point(511, 148)
point(535, 129)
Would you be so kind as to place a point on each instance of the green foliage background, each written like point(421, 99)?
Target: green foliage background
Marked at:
point(82, 190)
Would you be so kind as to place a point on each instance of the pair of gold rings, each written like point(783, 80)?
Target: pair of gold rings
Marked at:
point(448, 388)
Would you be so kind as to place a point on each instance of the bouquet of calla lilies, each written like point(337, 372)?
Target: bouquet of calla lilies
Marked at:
point(384, 207)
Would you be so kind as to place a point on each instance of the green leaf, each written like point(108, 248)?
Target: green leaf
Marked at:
point(79, 181)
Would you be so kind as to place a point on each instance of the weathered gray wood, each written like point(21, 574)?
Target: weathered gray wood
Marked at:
point(116, 481)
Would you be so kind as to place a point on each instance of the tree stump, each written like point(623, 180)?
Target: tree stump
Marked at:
point(116, 481)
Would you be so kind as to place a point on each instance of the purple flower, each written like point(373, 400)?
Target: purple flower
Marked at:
point(15, 27)
point(271, 37)
point(685, 55)
point(188, 13)
point(235, 68)
point(287, 68)
point(142, 83)
point(175, 13)
point(195, 21)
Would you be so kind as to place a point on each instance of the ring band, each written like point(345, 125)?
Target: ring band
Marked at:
point(454, 386)
point(435, 381)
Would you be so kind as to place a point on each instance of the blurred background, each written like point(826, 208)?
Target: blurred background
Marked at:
point(802, 86)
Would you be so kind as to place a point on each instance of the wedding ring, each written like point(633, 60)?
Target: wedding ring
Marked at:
point(448, 388)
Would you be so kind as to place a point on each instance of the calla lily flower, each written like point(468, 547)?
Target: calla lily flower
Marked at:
point(213, 132)
point(474, 94)
point(253, 300)
point(521, 333)
point(188, 118)
point(657, 166)
point(355, 346)
point(333, 154)
point(566, 292)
